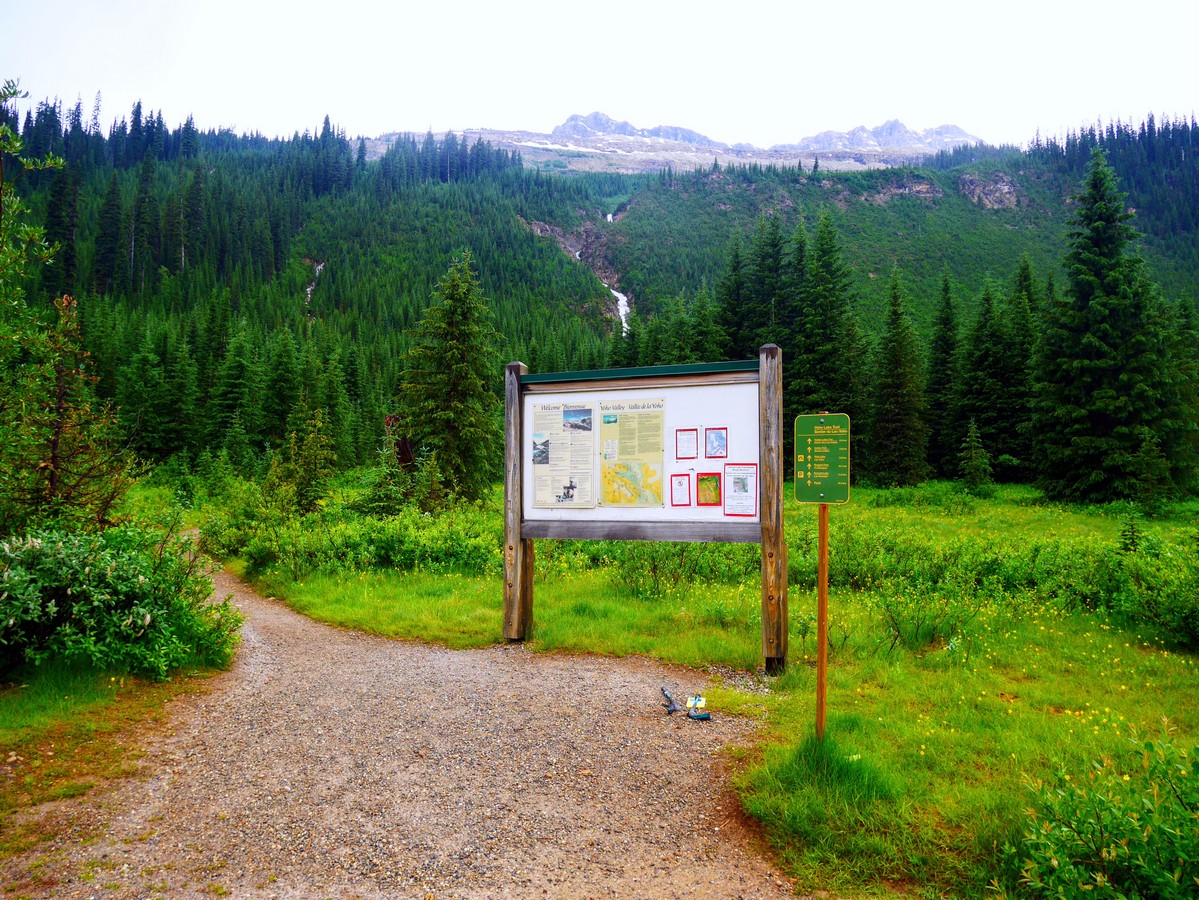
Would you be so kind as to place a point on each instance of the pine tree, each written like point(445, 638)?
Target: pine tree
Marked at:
point(900, 435)
point(108, 263)
point(980, 391)
point(62, 222)
point(940, 386)
point(1102, 375)
point(820, 369)
point(1019, 339)
point(449, 396)
point(734, 299)
point(974, 463)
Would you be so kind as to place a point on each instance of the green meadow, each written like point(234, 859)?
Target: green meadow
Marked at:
point(1013, 699)
point(992, 661)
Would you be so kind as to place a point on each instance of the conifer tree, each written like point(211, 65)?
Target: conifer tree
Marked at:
point(974, 463)
point(940, 386)
point(980, 391)
point(1102, 367)
point(1019, 339)
point(900, 435)
point(735, 302)
point(108, 265)
point(449, 397)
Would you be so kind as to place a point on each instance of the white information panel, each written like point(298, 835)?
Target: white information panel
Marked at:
point(644, 454)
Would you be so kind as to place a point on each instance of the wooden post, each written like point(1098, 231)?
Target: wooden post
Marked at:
point(518, 552)
point(821, 617)
point(774, 547)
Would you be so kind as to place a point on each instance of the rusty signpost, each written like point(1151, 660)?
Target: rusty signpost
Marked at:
point(822, 477)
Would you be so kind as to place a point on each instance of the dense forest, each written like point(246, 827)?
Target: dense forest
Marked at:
point(230, 286)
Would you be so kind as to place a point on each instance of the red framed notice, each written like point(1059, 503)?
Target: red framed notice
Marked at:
point(686, 443)
point(741, 489)
point(707, 489)
point(716, 443)
point(680, 489)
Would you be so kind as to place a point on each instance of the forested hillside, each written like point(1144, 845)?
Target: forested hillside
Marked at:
point(230, 287)
point(973, 213)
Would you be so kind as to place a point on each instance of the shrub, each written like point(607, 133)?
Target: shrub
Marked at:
point(125, 599)
point(1128, 828)
point(646, 569)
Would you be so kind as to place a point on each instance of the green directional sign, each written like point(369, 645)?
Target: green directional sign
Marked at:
point(822, 458)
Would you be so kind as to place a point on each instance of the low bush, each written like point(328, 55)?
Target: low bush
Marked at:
point(464, 539)
point(649, 569)
point(126, 599)
point(1127, 828)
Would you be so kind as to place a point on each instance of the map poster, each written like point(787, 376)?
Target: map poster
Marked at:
point(740, 489)
point(707, 489)
point(563, 463)
point(632, 454)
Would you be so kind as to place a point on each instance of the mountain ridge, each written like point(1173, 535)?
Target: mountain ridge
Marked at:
point(598, 142)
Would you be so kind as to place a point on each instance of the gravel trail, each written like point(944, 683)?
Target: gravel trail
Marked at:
point(330, 763)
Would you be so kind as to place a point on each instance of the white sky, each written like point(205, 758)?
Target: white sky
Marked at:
point(746, 71)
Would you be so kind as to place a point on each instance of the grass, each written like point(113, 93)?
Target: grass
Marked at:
point(964, 666)
point(63, 730)
point(933, 738)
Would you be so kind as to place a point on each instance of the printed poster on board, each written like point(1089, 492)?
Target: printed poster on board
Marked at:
point(632, 452)
point(563, 463)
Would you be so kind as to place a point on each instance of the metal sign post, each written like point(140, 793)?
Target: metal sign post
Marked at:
point(822, 477)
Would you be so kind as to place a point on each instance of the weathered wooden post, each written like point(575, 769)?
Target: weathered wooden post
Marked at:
point(774, 547)
point(518, 551)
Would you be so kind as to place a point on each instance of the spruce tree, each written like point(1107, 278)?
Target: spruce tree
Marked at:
point(981, 391)
point(940, 385)
point(974, 463)
point(1019, 338)
point(449, 397)
point(1102, 374)
point(900, 435)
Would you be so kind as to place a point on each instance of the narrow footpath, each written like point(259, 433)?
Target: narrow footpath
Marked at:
point(330, 763)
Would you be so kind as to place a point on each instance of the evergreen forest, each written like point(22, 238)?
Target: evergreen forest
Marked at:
point(228, 286)
point(297, 352)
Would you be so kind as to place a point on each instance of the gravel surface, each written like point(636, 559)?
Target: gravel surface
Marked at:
point(329, 763)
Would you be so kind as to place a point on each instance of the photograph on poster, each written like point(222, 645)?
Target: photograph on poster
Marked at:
point(716, 443)
point(563, 456)
point(680, 489)
point(686, 443)
point(707, 489)
point(741, 489)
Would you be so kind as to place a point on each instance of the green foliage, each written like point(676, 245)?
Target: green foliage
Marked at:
point(298, 477)
point(126, 599)
point(974, 463)
point(900, 435)
point(1103, 365)
point(651, 569)
point(456, 538)
point(1129, 827)
point(450, 408)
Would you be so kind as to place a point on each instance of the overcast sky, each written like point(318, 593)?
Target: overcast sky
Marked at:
point(743, 71)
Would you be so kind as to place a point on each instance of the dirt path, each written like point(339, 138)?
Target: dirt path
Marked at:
point(329, 763)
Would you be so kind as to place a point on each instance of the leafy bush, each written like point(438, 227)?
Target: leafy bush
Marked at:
point(1126, 829)
point(647, 569)
point(462, 538)
point(1144, 580)
point(916, 616)
point(125, 599)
